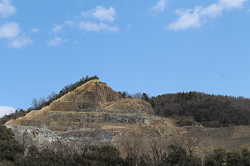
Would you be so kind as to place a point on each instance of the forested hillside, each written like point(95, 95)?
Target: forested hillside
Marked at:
point(210, 110)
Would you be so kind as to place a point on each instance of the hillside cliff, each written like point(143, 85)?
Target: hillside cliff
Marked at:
point(94, 114)
point(91, 114)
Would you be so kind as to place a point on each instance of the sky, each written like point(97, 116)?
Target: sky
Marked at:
point(154, 47)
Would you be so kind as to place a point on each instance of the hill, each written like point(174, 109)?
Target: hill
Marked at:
point(94, 114)
point(209, 110)
point(91, 114)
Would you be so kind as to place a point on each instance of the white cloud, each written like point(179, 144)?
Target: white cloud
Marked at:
point(57, 28)
point(5, 110)
point(194, 18)
point(212, 11)
point(160, 6)
point(90, 26)
point(232, 3)
point(6, 8)
point(20, 42)
point(101, 13)
point(56, 41)
point(35, 30)
point(9, 30)
point(12, 31)
point(70, 23)
point(187, 19)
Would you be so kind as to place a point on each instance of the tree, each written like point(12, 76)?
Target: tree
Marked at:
point(132, 149)
point(110, 155)
point(35, 103)
point(42, 101)
point(145, 97)
point(178, 156)
point(218, 158)
point(191, 143)
point(246, 157)
point(220, 155)
point(137, 95)
point(124, 95)
point(198, 117)
point(234, 159)
point(51, 96)
point(188, 142)
point(210, 160)
point(159, 155)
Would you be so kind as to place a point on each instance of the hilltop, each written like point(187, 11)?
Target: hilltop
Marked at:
point(94, 114)
point(91, 114)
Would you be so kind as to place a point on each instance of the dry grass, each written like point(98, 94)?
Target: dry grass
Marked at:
point(92, 92)
point(66, 116)
point(35, 115)
point(113, 127)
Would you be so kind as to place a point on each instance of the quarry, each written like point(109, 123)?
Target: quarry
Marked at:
point(94, 114)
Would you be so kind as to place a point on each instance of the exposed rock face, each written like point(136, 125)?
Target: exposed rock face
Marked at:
point(91, 114)
point(98, 117)
point(95, 114)
point(33, 136)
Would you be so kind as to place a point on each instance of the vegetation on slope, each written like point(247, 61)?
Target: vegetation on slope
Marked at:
point(43, 102)
point(11, 154)
point(10, 149)
point(210, 110)
point(37, 105)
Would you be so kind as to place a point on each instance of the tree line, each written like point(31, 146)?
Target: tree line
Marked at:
point(209, 110)
point(12, 154)
point(45, 101)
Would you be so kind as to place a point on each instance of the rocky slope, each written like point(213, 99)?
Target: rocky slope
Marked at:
point(95, 114)
point(91, 114)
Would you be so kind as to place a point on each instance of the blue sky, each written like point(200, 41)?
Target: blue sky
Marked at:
point(154, 46)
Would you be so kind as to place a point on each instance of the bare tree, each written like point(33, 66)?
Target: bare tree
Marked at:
point(51, 96)
point(158, 154)
point(132, 148)
point(137, 95)
point(35, 103)
point(191, 144)
point(42, 100)
point(188, 142)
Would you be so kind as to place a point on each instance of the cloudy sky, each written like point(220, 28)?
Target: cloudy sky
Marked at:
point(154, 46)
